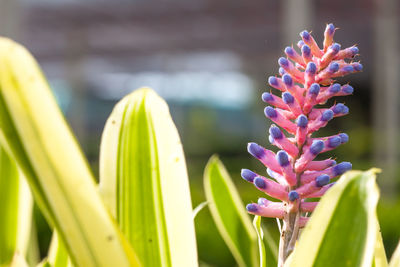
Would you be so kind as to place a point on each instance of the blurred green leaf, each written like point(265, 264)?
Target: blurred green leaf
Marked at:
point(143, 179)
point(395, 260)
point(34, 131)
point(15, 209)
point(380, 259)
point(58, 254)
point(342, 230)
point(229, 214)
point(260, 236)
point(271, 248)
point(199, 208)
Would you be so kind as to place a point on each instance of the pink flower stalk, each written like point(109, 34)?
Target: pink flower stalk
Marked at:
point(307, 81)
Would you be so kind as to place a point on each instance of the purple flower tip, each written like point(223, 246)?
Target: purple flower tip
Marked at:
point(287, 79)
point(344, 138)
point(314, 89)
point(293, 195)
point(322, 180)
point(348, 68)
point(267, 97)
point(327, 115)
point(281, 71)
point(260, 183)
point(333, 67)
point(334, 141)
point(316, 147)
point(271, 139)
point(300, 43)
point(311, 68)
point(305, 50)
point(357, 66)
point(283, 62)
point(287, 98)
point(251, 207)
point(354, 50)
point(342, 168)
point(273, 81)
point(347, 89)
point(255, 150)
point(335, 88)
point(289, 51)
point(275, 132)
point(248, 175)
point(302, 121)
point(338, 108)
point(330, 28)
point(282, 158)
point(345, 110)
point(335, 47)
point(305, 35)
point(270, 112)
point(262, 201)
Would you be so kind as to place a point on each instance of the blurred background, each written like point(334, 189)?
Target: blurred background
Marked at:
point(210, 60)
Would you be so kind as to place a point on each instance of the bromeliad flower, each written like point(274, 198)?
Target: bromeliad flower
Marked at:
point(307, 81)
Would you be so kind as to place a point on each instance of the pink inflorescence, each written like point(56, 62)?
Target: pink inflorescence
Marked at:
point(306, 82)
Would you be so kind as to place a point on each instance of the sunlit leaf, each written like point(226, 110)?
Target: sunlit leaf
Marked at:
point(229, 214)
point(342, 230)
point(143, 180)
point(34, 131)
point(260, 236)
point(380, 259)
point(15, 209)
point(58, 254)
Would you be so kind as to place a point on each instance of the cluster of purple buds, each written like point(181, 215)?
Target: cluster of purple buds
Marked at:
point(307, 80)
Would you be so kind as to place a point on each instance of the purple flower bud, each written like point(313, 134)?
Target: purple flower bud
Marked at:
point(302, 121)
point(354, 50)
point(357, 66)
point(293, 195)
point(306, 50)
point(344, 138)
point(270, 112)
point(348, 69)
point(345, 110)
point(283, 62)
point(273, 81)
point(333, 67)
point(305, 35)
point(316, 147)
point(282, 158)
point(289, 51)
point(271, 139)
point(275, 132)
point(248, 175)
point(334, 141)
point(314, 89)
point(251, 207)
point(267, 97)
point(322, 180)
point(300, 44)
point(260, 183)
point(335, 47)
point(347, 89)
point(311, 68)
point(287, 79)
point(342, 168)
point(255, 150)
point(281, 71)
point(330, 29)
point(338, 108)
point(262, 201)
point(335, 88)
point(327, 115)
point(287, 98)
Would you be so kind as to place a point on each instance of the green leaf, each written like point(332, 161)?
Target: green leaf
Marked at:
point(271, 248)
point(15, 209)
point(260, 236)
point(34, 131)
point(380, 259)
point(342, 230)
point(395, 260)
point(58, 254)
point(229, 214)
point(143, 180)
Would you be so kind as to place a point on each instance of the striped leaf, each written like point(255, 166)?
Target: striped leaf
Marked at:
point(143, 179)
point(15, 209)
point(260, 236)
point(395, 260)
point(34, 131)
point(342, 230)
point(229, 214)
